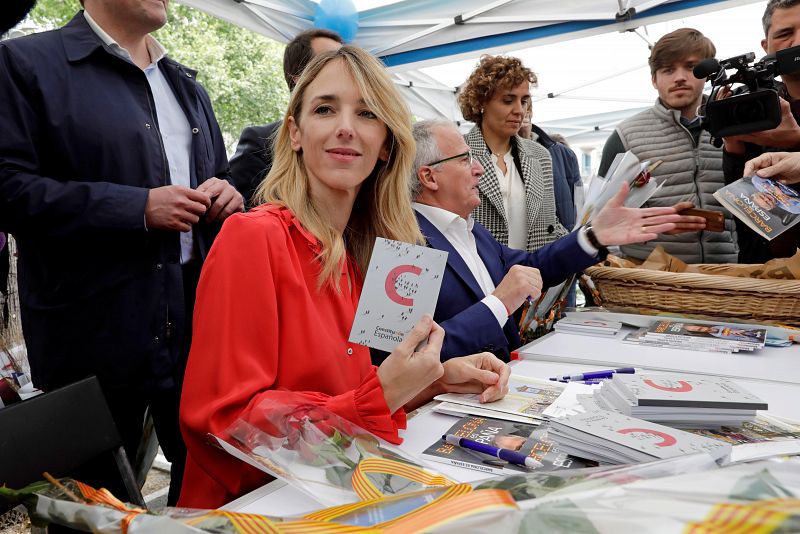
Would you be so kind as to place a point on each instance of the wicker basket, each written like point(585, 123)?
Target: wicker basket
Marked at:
point(746, 299)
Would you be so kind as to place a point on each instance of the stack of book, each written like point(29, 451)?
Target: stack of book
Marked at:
point(592, 327)
point(705, 337)
point(613, 438)
point(677, 400)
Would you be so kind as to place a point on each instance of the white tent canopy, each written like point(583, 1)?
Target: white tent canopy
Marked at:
point(413, 33)
point(586, 85)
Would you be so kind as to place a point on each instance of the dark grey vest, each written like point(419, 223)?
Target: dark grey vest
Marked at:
point(688, 173)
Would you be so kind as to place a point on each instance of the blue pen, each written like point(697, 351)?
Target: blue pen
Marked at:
point(508, 455)
point(594, 374)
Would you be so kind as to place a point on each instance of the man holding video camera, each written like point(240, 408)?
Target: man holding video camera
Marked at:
point(671, 131)
point(781, 23)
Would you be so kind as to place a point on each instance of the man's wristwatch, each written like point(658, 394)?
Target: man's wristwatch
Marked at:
point(590, 235)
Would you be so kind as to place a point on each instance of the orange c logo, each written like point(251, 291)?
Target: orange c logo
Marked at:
point(666, 439)
point(391, 280)
point(683, 388)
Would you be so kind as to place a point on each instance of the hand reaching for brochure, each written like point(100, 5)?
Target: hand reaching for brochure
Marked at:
point(480, 373)
point(786, 165)
point(412, 368)
point(617, 225)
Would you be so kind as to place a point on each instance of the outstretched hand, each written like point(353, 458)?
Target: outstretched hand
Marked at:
point(617, 225)
point(785, 165)
point(480, 373)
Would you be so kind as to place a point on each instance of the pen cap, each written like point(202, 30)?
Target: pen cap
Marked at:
point(453, 440)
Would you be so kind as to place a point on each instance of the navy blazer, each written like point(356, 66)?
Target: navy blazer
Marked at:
point(79, 151)
point(470, 326)
point(253, 159)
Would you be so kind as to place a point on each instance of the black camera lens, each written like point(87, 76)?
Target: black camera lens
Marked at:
point(748, 112)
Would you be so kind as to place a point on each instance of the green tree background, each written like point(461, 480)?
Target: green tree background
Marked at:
point(242, 70)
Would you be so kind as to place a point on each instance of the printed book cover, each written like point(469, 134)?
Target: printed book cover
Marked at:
point(737, 335)
point(763, 429)
point(528, 439)
point(686, 391)
point(401, 285)
point(768, 207)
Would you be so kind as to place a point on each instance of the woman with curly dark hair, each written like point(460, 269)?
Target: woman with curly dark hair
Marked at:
point(516, 189)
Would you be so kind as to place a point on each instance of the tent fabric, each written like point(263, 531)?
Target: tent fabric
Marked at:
point(412, 34)
point(415, 33)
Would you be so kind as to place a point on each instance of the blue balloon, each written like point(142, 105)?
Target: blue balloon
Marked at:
point(339, 16)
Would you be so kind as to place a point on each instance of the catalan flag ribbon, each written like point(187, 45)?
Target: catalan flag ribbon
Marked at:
point(757, 517)
point(366, 490)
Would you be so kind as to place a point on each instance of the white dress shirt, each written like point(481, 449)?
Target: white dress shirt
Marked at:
point(458, 231)
point(174, 128)
point(512, 189)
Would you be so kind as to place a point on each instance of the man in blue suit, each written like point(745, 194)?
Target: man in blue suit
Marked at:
point(485, 282)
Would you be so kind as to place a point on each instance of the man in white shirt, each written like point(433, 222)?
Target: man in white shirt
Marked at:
point(486, 282)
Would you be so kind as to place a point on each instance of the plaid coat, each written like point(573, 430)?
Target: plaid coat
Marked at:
point(535, 167)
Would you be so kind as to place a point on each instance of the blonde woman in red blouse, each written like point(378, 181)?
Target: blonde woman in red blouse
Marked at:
point(279, 289)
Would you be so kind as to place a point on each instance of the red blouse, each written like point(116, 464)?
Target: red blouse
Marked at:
point(260, 326)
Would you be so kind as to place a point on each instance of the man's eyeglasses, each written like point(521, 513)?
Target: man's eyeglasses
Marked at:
point(465, 156)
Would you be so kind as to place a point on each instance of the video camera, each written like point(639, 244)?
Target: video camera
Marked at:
point(754, 107)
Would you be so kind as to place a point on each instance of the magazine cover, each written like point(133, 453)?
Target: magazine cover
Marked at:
point(737, 334)
point(769, 208)
point(764, 428)
point(401, 285)
point(528, 439)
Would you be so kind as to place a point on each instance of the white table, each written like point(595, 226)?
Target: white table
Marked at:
point(773, 374)
point(770, 364)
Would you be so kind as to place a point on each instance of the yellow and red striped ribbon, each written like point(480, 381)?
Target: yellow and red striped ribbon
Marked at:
point(367, 491)
point(473, 503)
point(757, 517)
point(456, 502)
point(259, 524)
point(103, 496)
point(338, 512)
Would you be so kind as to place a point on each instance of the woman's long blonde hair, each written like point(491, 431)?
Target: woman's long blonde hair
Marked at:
point(383, 205)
